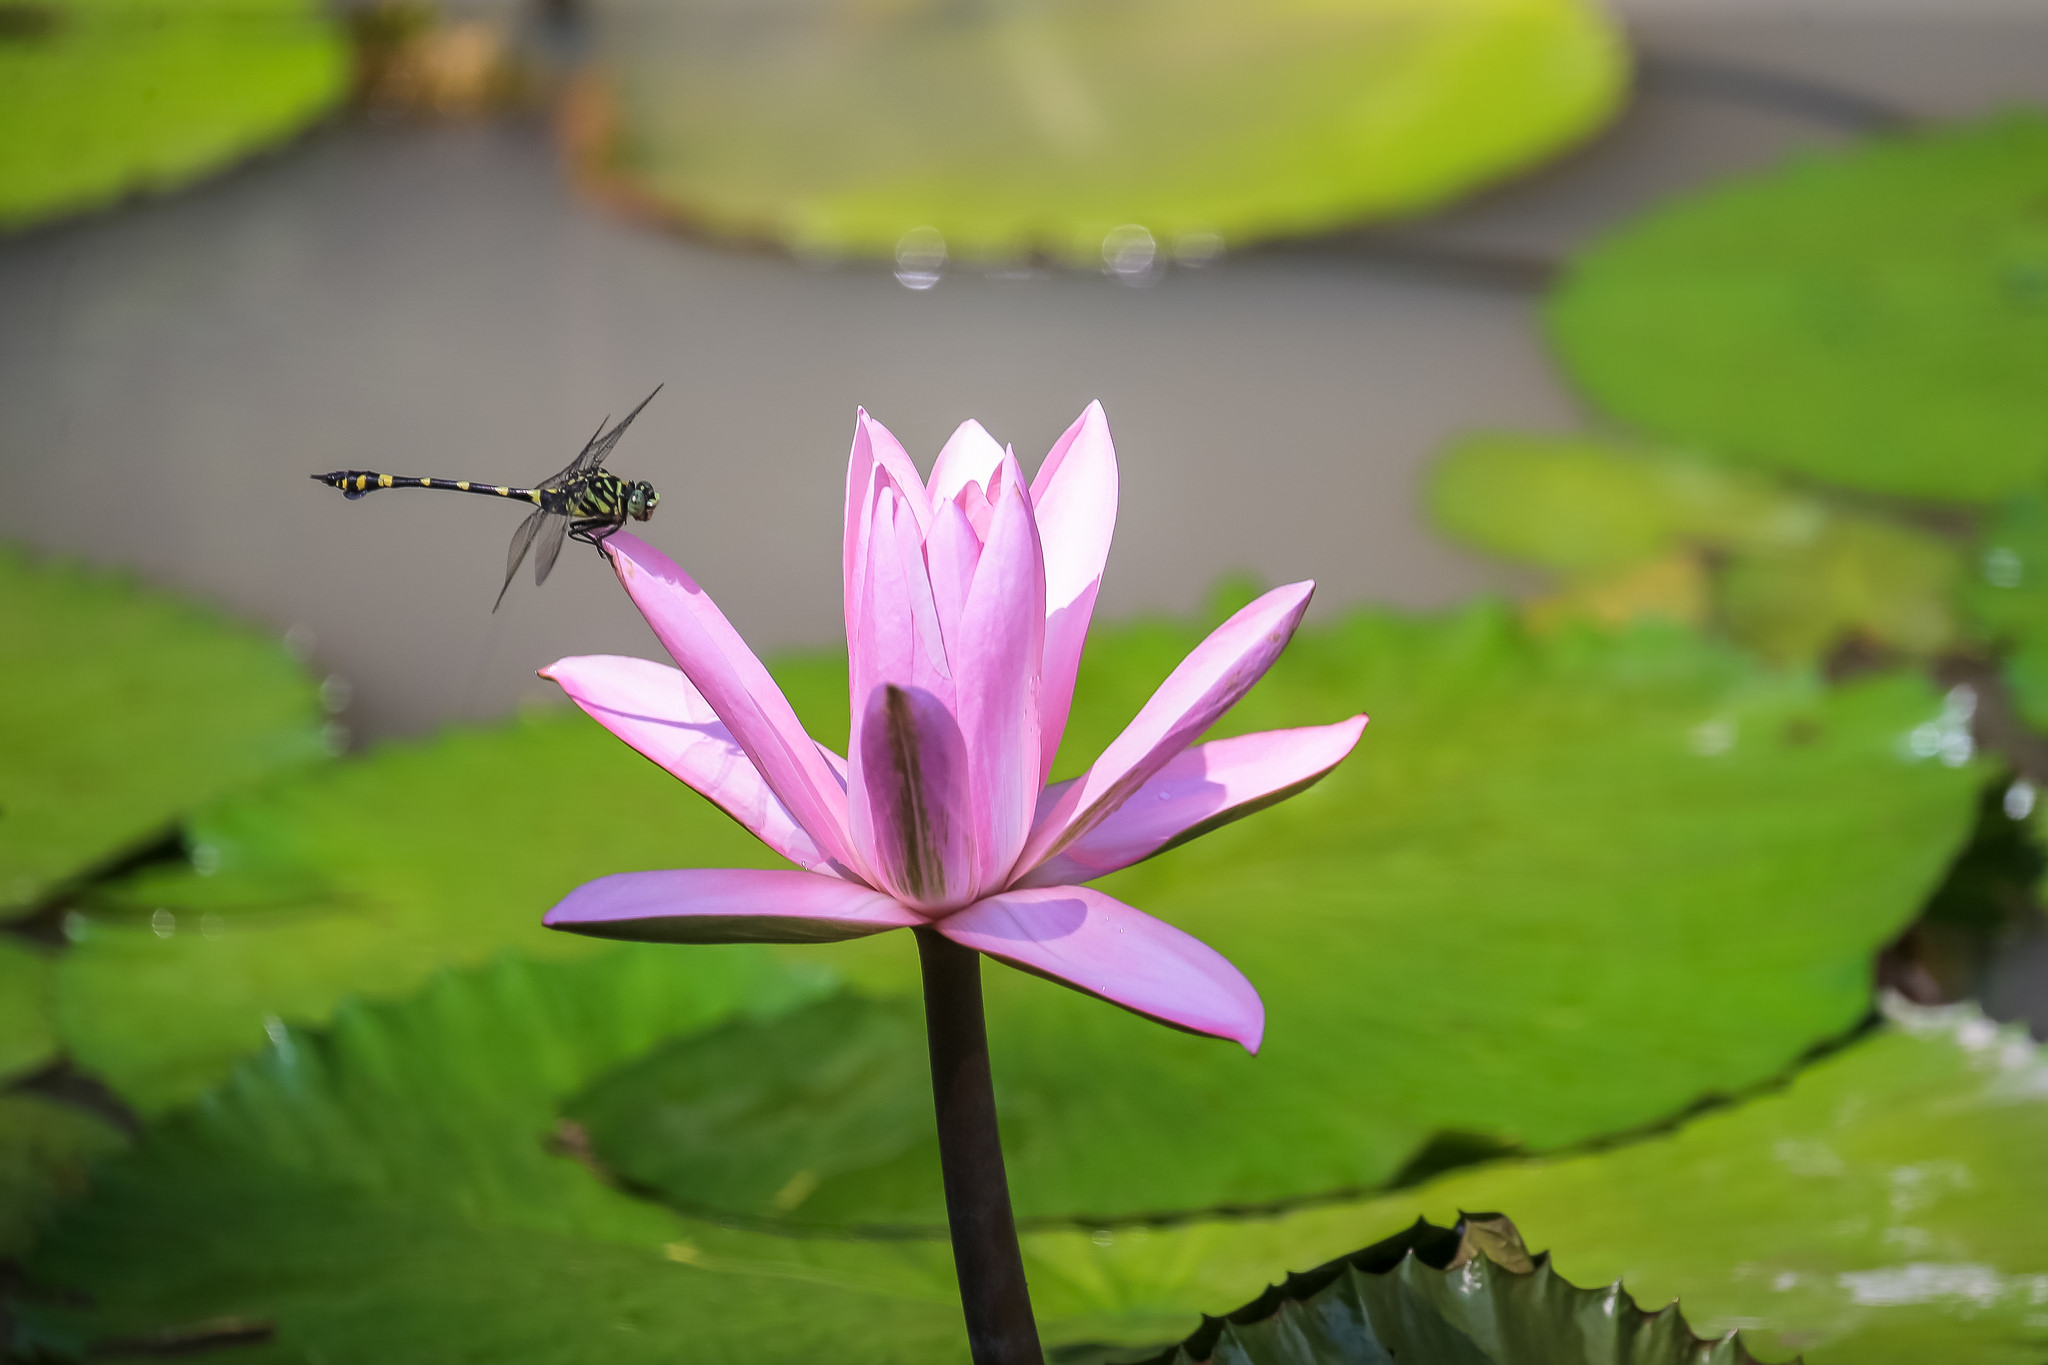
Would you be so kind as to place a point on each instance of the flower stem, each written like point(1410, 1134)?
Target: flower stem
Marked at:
point(1000, 1329)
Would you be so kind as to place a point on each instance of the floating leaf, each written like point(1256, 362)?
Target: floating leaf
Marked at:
point(1573, 845)
point(28, 1025)
point(103, 98)
point(753, 1117)
point(1095, 133)
point(2008, 598)
point(45, 1151)
point(1589, 835)
point(397, 1189)
point(1876, 1210)
point(1466, 1296)
point(388, 1190)
point(1796, 576)
point(1876, 318)
point(124, 709)
point(363, 878)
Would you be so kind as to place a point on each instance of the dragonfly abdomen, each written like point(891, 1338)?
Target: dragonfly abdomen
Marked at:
point(356, 483)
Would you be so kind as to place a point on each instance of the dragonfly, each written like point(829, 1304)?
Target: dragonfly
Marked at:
point(583, 501)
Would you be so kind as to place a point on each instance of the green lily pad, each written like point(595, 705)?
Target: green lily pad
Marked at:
point(1470, 1295)
point(28, 1023)
point(1588, 835)
point(1875, 318)
point(397, 1189)
point(1877, 1210)
point(363, 878)
point(103, 98)
point(1541, 874)
point(124, 709)
point(1002, 130)
point(1794, 576)
point(46, 1150)
point(2008, 599)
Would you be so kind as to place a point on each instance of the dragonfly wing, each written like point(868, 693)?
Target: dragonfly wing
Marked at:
point(515, 554)
point(593, 456)
point(550, 548)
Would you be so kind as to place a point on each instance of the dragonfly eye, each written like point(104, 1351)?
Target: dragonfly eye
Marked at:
point(640, 503)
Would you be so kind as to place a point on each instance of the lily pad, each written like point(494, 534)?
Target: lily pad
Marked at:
point(2008, 597)
point(1644, 533)
point(1874, 1211)
point(1522, 904)
point(104, 98)
point(1589, 836)
point(1875, 318)
point(362, 879)
point(396, 1188)
point(1094, 133)
point(124, 709)
point(1470, 1295)
point(28, 1023)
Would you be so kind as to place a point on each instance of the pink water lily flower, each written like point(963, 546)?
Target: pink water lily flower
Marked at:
point(967, 601)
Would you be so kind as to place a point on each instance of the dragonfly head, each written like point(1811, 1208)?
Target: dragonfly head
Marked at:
point(641, 500)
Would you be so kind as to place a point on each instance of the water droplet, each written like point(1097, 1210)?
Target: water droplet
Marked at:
point(1130, 254)
point(920, 258)
point(163, 922)
point(335, 693)
point(1102, 1237)
point(2019, 800)
point(2003, 567)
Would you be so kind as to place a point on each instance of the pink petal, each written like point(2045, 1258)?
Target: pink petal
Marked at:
point(914, 792)
point(873, 448)
point(727, 905)
point(1001, 638)
point(1205, 787)
point(655, 709)
point(1084, 939)
point(971, 456)
point(741, 692)
point(1075, 494)
point(1205, 685)
point(951, 553)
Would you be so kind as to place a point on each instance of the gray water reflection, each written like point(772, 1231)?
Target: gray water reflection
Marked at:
point(431, 300)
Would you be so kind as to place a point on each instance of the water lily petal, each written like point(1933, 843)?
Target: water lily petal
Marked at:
point(741, 692)
point(951, 553)
point(913, 791)
point(655, 709)
point(727, 905)
point(873, 448)
point(1205, 787)
point(1084, 939)
point(1205, 685)
point(1075, 495)
point(970, 456)
point(1002, 636)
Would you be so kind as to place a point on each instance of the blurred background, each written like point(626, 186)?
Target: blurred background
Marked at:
point(1703, 344)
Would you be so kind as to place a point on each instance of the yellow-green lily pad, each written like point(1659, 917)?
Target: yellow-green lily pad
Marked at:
point(104, 98)
point(995, 131)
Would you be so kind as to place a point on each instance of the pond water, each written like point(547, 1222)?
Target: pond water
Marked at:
point(431, 299)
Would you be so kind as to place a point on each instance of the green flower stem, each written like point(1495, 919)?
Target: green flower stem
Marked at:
point(993, 1295)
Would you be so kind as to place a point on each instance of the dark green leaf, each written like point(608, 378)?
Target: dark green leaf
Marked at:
point(1876, 318)
point(1466, 1296)
point(28, 1024)
point(124, 709)
point(46, 1149)
point(1003, 130)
